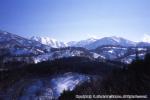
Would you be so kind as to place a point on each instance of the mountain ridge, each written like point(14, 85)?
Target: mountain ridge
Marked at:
point(108, 48)
point(49, 41)
point(90, 43)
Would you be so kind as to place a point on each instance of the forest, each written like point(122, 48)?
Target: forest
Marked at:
point(113, 77)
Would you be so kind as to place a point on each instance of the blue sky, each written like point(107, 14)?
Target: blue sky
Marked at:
point(68, 20)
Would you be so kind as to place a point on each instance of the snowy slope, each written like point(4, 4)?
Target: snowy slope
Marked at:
point(49, 41)
point(49, 88)
point(81, 43)
point(66, 53)
point(119, 53)
point(110, 41)
point(19, 46)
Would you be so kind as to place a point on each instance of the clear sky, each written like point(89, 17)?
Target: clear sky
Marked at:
point(68, 20)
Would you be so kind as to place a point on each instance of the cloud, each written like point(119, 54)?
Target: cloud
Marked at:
point(146, 38)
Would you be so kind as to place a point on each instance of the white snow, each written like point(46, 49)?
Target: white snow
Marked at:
point(110, 51)
point(142, 49)
point(47, 88)
point(49, 41)
point(67, 81)
point(146, 38)
point(95, 55)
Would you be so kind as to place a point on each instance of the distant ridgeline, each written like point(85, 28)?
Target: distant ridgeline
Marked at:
point(19, 51)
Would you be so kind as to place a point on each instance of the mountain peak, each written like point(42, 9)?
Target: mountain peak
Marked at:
point(44, 40)
point(114, 40)
point(92, 39)
point(48, 41)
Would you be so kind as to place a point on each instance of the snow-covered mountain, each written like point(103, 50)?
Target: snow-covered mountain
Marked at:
point(66, 53)
point(14, 45)
point(58, 53)
point(119, 53)
point(49, 41)
point(82, 43)
point(93, 43)
point(110, 41)
point(38, 49)
point(17, 48)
